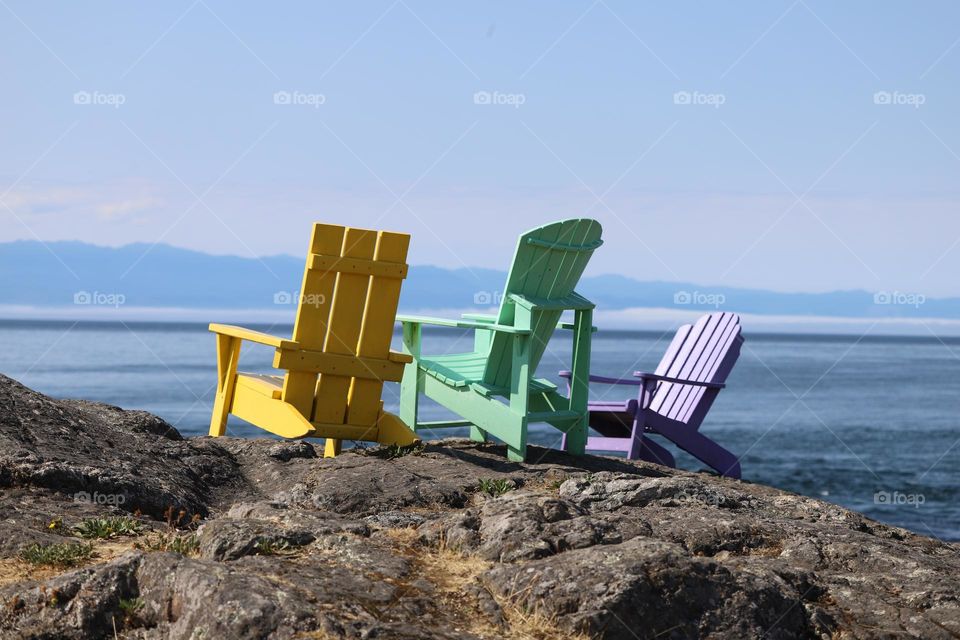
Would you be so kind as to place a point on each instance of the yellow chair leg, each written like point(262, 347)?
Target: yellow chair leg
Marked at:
point(228, 352)
point(332, 448)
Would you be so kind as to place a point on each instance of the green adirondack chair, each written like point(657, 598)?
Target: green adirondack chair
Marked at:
point(493, 387)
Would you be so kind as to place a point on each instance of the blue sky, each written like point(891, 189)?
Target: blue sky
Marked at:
point(795, 146)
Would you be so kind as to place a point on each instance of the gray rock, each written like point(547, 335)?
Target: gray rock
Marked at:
point(365, 546)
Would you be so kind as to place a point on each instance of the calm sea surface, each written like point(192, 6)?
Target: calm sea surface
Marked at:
point(871, 424)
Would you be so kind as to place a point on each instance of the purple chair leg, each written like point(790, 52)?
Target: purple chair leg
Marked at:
point(644, 448)
point(705, 450)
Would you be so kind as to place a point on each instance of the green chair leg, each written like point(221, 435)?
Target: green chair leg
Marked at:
point(577, 438)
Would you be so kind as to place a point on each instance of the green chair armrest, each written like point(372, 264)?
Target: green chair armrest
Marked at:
point(573, 302)
point(479, 317)
point(462, 324)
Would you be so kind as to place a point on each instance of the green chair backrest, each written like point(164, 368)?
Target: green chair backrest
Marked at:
point(547, 265)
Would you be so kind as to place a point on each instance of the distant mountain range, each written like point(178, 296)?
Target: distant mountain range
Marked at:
point(36, 274)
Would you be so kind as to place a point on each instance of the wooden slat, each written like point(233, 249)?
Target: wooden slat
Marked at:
point(565, 273)
point(684, 365)
point(313, 310)
point(339, 431)
point(663, 399)
point(526, 273)
point(501, 347)
point(275, 416)
point(378, 268)
point(270, 386)
point(338, 365)
point(343, 330)
point(701, 353)
point(709, 351)
point(721, 367)
point(383, 296)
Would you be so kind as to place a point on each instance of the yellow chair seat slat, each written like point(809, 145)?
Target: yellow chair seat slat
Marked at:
point(270, 386)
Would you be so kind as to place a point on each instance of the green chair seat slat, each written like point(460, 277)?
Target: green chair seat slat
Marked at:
point(457, 369)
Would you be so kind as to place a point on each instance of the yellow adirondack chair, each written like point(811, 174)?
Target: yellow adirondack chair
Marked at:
point(339, 356)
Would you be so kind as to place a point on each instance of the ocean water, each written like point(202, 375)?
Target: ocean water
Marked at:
point(871, 424)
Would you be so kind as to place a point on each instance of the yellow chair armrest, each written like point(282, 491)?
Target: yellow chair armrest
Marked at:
point(405, 358)
point(254, 336)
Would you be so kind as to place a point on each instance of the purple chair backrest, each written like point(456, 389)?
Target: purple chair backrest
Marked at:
point(703, 352)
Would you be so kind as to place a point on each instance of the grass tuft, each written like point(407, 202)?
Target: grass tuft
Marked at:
point(65, 554)
point(394, 451)
point(131, 606)
point(268, 547)
point(495, 487)
point(185, 545)
point(109, 527)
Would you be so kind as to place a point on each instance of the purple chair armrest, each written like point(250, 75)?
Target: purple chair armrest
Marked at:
point(644, 375)
point(606, 380)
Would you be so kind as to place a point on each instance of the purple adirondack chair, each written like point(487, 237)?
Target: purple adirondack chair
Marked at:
point(674, 400)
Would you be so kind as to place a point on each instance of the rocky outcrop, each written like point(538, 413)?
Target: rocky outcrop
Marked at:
point(264, 539)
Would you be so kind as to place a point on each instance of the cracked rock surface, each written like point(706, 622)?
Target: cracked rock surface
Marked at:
point(265, 539)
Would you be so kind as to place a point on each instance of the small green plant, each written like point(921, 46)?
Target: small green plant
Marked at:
point(185, 545)
point(108, 527)
point(66, 554)
point(131, 606)
point(557, 482)
point(268, 547)
point(394, 451)
point(495, 487)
